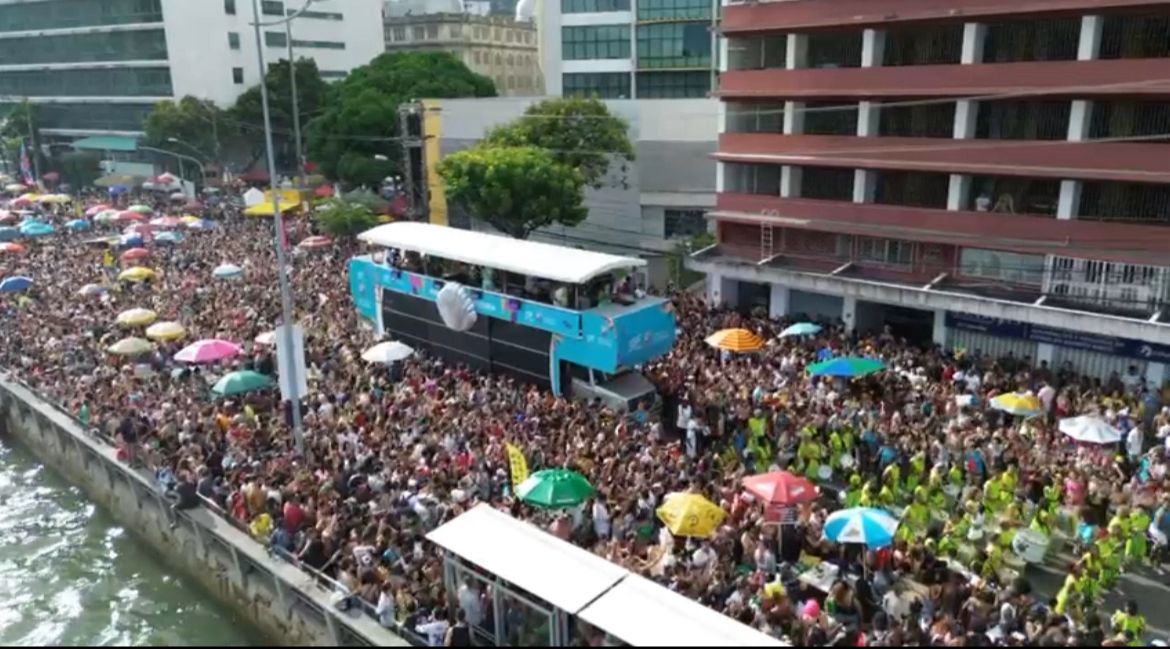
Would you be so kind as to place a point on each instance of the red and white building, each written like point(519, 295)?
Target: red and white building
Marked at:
point(989, 174)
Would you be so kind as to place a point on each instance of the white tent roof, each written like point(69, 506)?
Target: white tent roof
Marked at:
point(643, 614)
point(560, 573)
point(543, 260)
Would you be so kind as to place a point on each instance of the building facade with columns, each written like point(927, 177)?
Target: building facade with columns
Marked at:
point(987, 175)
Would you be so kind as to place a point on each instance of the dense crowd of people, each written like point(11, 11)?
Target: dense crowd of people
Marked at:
point(391, 453)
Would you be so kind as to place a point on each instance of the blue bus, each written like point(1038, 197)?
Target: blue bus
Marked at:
point(568, 319)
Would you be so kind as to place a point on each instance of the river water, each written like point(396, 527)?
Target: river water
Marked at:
point(70, 575)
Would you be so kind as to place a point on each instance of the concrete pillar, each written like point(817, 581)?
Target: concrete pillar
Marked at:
point(974, 36)
point(873, 47)
point(1045, 352)
point(868, 119)
point(849, 312)
point(793, 117)
point(1069, 202)
point(1155, 375)
point(790, 181)
point(864, 185)
point(966, 114)
point(714, 282)
point(1089, 46)
point(778, 301)
point(720, 176)
point(797, 51)
point(959, 192)
point(939, 332)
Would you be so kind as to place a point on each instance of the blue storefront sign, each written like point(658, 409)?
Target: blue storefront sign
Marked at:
point(1125, 347)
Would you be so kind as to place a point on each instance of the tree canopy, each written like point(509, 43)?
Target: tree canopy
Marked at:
point(578, 132)
point(360, 118)
point(248, 111)
point(515, 189)
point(342, 217)
point(190, 120)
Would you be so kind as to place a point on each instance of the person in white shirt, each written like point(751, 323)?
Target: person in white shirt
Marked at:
point(1133, 443)
point(1046, 394)
point(387, 616)
point(435, 631)
point(601, 520)
point(470, 603)
point(692, 439)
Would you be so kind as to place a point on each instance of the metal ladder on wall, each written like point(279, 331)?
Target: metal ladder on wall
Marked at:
point(765, 241)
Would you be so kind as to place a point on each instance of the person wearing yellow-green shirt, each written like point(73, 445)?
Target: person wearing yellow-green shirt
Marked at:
point(836, 449)
point(955, 476)
point(1129, 621)
point(809, 455)
point(992, 494)
point(1065, 594)
point(917, 471)
point(1137, 547)
point(869, 496)
point(854, 493)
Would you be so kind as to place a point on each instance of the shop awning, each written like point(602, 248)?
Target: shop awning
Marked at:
point(107, 143)
point(268, 209)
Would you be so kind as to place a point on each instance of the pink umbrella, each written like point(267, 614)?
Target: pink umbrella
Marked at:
point(92, 212)
point(139, 228)
point(135, 254)
point(168, 222)
point(8, 217)
point(130, 216)
point(207, 351)
point(313, 243)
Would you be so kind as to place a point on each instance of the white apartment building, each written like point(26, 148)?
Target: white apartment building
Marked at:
point(96, 67)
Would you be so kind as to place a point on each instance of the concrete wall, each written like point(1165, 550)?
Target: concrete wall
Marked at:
point(281, 601)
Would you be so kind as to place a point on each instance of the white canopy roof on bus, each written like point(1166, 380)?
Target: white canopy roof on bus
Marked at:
point(547, 261)
point(643, 614)
point(560, 573)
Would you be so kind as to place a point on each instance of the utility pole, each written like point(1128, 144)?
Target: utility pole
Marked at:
point(296, 108)
point(34, 147)
point(414, 166)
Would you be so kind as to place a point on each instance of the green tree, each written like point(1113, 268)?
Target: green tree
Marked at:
point(340, 217)
point(515, 189)
point(360, 118)
point(193, 121)
point(247, 113)
point(579, 132)
point(78, 168)
point(14, 129)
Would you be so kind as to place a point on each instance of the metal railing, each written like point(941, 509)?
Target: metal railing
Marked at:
point(149, 473)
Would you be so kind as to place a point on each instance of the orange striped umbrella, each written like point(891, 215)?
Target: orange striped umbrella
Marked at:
point(735, 340)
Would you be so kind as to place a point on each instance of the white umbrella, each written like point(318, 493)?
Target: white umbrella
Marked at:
point(1090, 430)
point(388, 352)
point(267, 338)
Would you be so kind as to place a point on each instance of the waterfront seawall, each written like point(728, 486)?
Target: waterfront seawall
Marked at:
point(287, 605)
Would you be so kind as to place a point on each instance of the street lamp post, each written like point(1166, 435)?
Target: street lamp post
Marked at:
point(292, 73)
point(178, 156)
point(286, 308)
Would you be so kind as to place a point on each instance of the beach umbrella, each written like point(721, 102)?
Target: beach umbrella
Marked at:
point(178, 196)
point(781, 488)
point(165, 331)
point(687, 514)
point(167, 222)
point(240, 382)
point(140, 209)
point(8, 218)
point(36, 229)
point(1090, 430)
point(801, 329)
point(315, 243)
point(91, 290)
point(735, 340)
point(555, 489)
point(14, 187)
point(133, 240)
point(847, 366)
point(128, 216)
point(136, 317)
point(94, 210)
point(106, 216)
point(388, 352)
point(268, 338)
point(193, 205)
point(55, 199)
point(201, 224)
point(137, 274)
point(168, 237)
point(207, 351)
point(188, 219)
point(227, 271)
point(8, 233)
point(77, 225)
point(15, 284)
point(11, 247)
point(873, 528)
point(1021, 405)
point(135, 254)
point(131, 347)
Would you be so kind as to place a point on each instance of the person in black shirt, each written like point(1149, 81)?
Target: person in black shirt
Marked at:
point(459, 635)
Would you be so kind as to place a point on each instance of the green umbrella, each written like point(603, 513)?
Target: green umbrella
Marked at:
point(240, 382)
point(555, 489)
point(849, 366)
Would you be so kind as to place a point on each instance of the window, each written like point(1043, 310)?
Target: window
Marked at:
point(593, 6)
point(97, 117)
point(93, 82)
point(674, 9)
point(456, 31)
point(673, 85)
point(602, 85)
point(684, 223)
point(884, 251)
point(272, 8)
point(234, 40)
point(432, 32)
point(275, 39)
point(237, 76)
point(229, 7)
point(139, 45)
point(1001, 265)
point(57, 14)
point(478, 57)
point(674, 45)
point(595, 42)
point(399, 34)
point(321, 45)
point(317, 15)
point(420, 33)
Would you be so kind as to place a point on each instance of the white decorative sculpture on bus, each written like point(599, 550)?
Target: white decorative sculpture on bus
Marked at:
point(456, 307)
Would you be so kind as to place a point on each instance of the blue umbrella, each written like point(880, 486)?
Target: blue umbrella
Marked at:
point(873, 528)
point(133, 240)
point(118, 189)
point(78, 225)
point(37, 229)
point(227, 271)
point(15, 284)
point(801, 329)
point(848, 366)
point(201, 224)
point(168, 237)
point(8, 233)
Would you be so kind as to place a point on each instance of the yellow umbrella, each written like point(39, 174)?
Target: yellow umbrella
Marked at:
point(137, 274)
point(735, 340)
point(165, 331)
point(55, 198)
point(190, 218)
point(137, 317)
point(688, 514)
point(130, 347)
point(1024, 405)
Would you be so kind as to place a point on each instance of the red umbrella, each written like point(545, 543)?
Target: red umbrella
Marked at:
point(781, 488)
point(130, 216)
point(324, 191)
point(312, 243)
point(11, 247)
point(135, 254)
point(193, 206)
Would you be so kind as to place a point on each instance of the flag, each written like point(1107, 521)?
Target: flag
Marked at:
point(26, 171)
point(517, 464)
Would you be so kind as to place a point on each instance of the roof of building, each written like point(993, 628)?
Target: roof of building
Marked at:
point(558, 263)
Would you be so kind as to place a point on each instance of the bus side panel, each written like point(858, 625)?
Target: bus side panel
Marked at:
point(416, 322)
point(521, 351)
